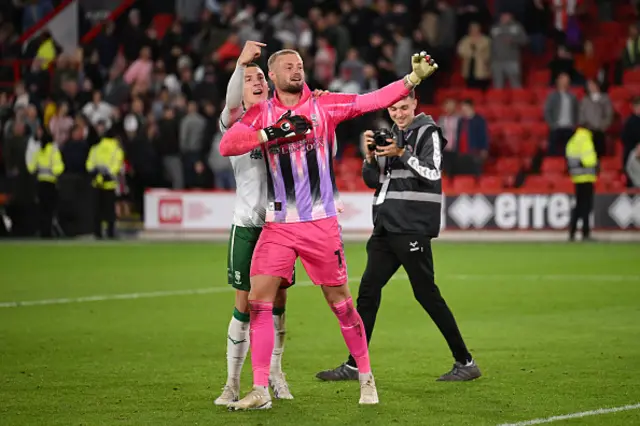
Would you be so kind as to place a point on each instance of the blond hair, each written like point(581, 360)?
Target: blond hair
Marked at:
point(279, 53)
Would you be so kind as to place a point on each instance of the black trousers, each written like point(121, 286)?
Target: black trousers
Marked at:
point(104, 211)
point(582, 209)
point(386, 252)
point(48, 204)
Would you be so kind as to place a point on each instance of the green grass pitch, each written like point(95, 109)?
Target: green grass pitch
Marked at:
point(554, 327)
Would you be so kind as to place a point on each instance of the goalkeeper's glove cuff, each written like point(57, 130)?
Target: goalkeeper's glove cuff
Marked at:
point(413, 79)
point(268, 134)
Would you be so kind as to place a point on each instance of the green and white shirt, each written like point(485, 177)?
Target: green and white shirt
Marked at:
point(249, 169)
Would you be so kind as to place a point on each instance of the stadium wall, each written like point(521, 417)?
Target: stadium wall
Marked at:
point(467, 216)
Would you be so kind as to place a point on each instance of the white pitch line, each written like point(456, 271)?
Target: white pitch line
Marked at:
point(597, 412)
point(208, 290)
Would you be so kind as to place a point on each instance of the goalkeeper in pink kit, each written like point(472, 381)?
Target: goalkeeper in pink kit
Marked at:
point(296, 132)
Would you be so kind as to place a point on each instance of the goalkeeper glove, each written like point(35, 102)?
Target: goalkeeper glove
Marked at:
point(423, 66)
point(287, 126)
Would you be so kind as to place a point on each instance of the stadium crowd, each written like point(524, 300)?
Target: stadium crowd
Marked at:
point(157, 79)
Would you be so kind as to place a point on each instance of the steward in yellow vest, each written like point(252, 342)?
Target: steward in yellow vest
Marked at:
point(47, 165)
point(582, 162)
point(104, 163)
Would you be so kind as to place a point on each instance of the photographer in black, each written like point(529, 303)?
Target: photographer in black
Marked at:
point(404, 167)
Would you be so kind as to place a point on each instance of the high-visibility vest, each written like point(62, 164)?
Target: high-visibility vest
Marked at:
point(47, 163)
point(106, 159)
point(582, 159)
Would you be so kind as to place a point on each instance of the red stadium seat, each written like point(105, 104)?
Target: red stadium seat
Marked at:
point(490, 184)
point(563, 185)
point(530, 112)
point(537, 183)
point(508, 165)
point(553, 165)
point(541, 94)
point(504, 113)
point(514, 131)
point(539, 78)
point(619, 94)
point(528, 148)
point(610, 163)
point(631, 77)
point(539, 132)
point(466, 184)
point(522, 96)
point(475, 95)
point(497, 96)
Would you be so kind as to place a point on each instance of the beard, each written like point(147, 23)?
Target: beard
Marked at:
point(293, 87)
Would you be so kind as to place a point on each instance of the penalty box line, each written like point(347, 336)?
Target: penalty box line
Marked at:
point(208, 290)
point(596, 412)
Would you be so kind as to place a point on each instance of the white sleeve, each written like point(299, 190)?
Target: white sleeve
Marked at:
point(233, 102)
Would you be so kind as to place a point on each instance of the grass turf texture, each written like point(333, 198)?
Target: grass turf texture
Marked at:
point(554, 327)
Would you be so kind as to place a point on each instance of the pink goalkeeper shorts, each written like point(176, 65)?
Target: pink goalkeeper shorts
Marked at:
point(318, 243)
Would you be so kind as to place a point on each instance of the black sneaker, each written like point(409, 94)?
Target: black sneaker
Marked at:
point(343, 372)
point(461, 373)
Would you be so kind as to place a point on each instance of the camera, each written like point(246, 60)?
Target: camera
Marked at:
point(380, 138)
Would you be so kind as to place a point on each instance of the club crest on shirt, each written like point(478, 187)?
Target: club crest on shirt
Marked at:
point(256, 154)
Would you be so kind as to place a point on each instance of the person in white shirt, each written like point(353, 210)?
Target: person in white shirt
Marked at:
point(98, 110)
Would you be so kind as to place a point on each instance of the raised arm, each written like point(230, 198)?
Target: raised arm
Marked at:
point(233, 102)
point(342, 106)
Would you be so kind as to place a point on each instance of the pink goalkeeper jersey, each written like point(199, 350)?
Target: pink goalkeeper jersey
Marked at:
point(301, 183)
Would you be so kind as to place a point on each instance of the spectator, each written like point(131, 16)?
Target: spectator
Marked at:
point(75, 152)
point(449, 122)
point(31, 119)
point(98, 110)
point(536, 25)
point(403, 50)
point(475, 50)
point(220, 166)
point(633, 168)
point(587, 65)
point(508, 37)
point(116, 90)
point(21, 184)
point(562, 63)
point(324, 63)
point(229, 51)
point(561, 115)
point(33, 11)
point(60, 124)
point(93, 71)
point(106, 44)
point(47, 49)
point(169, 148)
point(631, 52)
point(188, 12)
point(140, 70)
point(173, 46)
point(470, 11)
point(192, 129)
point(472, 147)
point(355, 65)
point(133, 37)
point(20, 95)
point(630, 135)
point(596, 114)
point(338, 36)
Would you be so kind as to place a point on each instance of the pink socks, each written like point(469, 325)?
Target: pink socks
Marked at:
point(353, 333)
point(261, 337)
